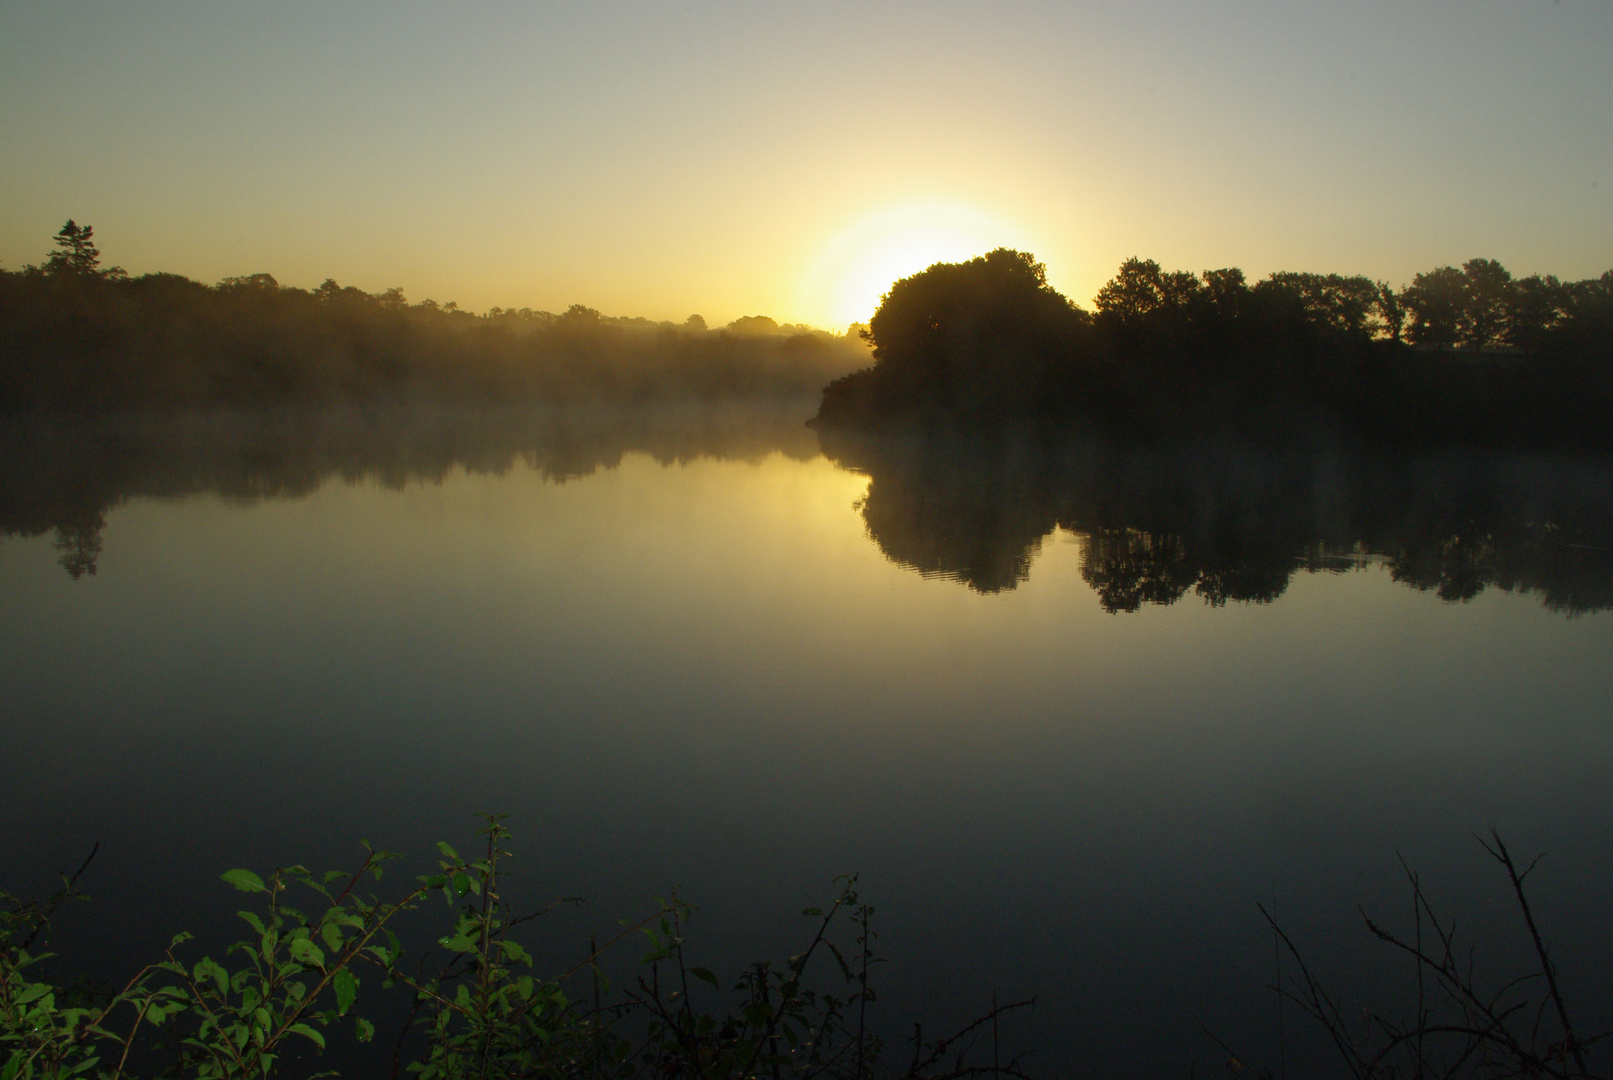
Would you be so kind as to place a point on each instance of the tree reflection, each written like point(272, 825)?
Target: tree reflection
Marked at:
point(1230, 523)
point(80, 544)
point(1222, 521)
point(63, 475)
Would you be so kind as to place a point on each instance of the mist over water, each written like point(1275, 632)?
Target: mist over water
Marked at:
point(1071, 709)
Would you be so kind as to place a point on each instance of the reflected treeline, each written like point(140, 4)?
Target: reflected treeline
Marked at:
point(64, 474)
point(1229, 522)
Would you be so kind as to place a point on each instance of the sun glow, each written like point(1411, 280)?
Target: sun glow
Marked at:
point(858, 265)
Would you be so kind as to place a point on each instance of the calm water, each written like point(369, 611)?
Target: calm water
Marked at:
point(1071, 712)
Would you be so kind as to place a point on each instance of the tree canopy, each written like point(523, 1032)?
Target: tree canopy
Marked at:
point(989, 340)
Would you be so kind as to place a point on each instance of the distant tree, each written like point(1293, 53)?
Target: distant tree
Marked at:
point(1137, 290)
point(986, 336)
point(77, 255)
point(1391, 311)
point(1342, 303)
point(330, 292)
point(250, 283)
point(1538, 305)
point(1589, 297)
point(753, 324)
point(1435, 300)
point(580, 315)
point(1486, 298)
point(1226, 288)
point(1141, 288)
point(695, 324)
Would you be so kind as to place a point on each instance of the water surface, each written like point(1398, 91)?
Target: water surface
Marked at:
point(1070, 713)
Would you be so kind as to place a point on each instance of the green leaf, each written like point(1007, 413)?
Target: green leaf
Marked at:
point(345, 984)
point(703, 975)
point(332, 935)
point(245, 880)
point(207, 969)
point(308, 1033)
point(364, 1029)
point(31, 992)
point(514, 953)
point(442, 846)
point(305, 952)
point(458, 943)
point(252, 920)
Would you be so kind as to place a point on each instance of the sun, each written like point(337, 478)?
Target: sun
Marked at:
point(858, 265)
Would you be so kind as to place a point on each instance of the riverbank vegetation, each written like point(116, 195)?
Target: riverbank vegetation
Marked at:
point(305, 978)
point(300, 989)
point(1467, 355)
point(79, 338)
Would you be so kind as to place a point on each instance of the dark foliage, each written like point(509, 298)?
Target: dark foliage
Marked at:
point(1490, 360)
point(76, 338)
point(983, 338)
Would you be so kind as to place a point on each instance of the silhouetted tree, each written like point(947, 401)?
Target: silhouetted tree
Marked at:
point(1537, 306)
point(77, 255)
point(250, 283)
point(1486, 299)
point(987, 337)
point(1391, 311)
point(1340, 303)
point(1141, 288)
point(1226, 289)
point(1435, 300)
point(753, 324)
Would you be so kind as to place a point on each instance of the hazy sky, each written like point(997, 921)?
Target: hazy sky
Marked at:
point(734, 158)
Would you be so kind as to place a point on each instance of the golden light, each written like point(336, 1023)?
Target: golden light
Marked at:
point(859, 264)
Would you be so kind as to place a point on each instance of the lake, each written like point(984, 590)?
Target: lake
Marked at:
point(1070, 710)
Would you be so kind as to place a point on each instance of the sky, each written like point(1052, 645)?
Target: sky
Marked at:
point(733, 158)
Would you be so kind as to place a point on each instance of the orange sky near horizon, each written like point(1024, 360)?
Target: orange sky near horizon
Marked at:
point(730, 159)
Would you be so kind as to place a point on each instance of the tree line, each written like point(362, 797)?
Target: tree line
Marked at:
point(1466, 354)
point(77, 336)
